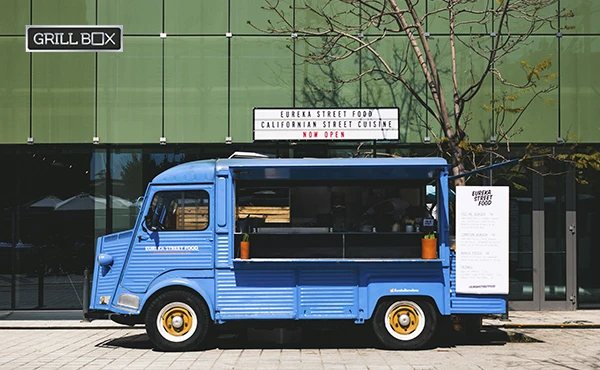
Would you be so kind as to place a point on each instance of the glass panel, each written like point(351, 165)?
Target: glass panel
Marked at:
point(379, 90)
point(98, 175)
point(130, 92)
point(67, 12)
point(261, 76)
point(14, 94)
point(338, 12)
point(243, 12)
point(323, 85)
point(539, 122)
point(28, 270)
point(63, 97)
point(120, 175)
point(136, 16)
point(588, 253)
point(127, 184)
point(467, 22)
point(6, 251)
point(8, 211)
point(196, 89)
point(369, 15)
point(156, 161)
point(14, 17)
point(555, 234)
point(523, 21)
point(585, 17)
point(56, 228)
point(193, 16)
point(579, 82)
point(470, 67)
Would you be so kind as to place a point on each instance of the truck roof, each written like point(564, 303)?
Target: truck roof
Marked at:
point(424, 168)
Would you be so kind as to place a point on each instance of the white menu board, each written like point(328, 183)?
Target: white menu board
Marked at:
point(482, 239)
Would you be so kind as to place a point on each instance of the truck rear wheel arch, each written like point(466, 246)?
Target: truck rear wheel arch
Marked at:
point(407, 297)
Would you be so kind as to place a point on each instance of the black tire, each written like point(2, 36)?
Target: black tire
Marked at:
point(177, 321)
point(404, 323)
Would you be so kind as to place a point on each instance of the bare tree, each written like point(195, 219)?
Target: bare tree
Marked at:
point(488, 30)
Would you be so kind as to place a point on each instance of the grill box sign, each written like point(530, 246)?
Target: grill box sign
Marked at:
point(73, 38)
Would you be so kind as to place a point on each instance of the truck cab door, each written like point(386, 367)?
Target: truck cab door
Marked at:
point(176, 233)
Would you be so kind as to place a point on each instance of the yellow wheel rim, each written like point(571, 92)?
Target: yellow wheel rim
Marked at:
point(177, 321)
point(404, 320)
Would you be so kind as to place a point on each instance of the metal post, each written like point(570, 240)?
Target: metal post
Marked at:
point(86, 294)
point(504, 316)
point(13, 262)
point(41, 273)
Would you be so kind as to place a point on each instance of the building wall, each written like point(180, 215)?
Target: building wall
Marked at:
point(198, 86)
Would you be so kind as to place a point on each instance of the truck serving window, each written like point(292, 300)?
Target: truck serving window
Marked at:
point(178, 210)
point(332, 219)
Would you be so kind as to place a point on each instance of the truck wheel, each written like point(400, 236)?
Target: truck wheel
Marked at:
point(177, 321)
point(404, 324)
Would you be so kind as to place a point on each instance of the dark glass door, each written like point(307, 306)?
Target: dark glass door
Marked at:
point(588, 251)
point(520, 240)
point(543, 268)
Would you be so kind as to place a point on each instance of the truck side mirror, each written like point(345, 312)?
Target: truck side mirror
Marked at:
point(139, 202)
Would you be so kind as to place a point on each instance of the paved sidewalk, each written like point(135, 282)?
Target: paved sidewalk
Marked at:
point(549, 319)
point(130, 348)
point(527, 340)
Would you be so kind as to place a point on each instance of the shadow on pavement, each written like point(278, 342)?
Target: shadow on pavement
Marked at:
point(486, 337)
point(309, 338)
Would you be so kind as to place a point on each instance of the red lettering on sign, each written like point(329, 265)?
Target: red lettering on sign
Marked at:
point(334, 134)
point(310, 134)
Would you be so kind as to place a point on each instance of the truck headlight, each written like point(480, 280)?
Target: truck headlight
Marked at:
point(129, 300)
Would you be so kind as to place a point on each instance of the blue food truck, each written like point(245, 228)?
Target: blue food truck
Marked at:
point(329, 239)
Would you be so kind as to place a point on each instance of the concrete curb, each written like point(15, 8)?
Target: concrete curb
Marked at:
point(551, 326)
point(61, 325)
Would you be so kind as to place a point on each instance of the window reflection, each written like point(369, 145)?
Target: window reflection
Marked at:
point(555, 234)
point(588, 274)
point(54, 238)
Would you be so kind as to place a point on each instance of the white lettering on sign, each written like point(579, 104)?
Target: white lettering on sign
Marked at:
point(482, 215)
point(73, 38)
point(326, 124)
point(172, 248)
point(38, 38)
point(94, 38)
point(86, 39)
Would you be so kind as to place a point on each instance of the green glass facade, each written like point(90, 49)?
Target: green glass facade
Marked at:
point(198, 86)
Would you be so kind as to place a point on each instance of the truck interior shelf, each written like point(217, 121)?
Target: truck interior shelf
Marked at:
point(334, 245)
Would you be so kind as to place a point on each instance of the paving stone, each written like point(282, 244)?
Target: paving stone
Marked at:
point(498, 347)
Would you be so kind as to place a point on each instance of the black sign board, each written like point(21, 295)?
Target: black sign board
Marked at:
point(73, 38)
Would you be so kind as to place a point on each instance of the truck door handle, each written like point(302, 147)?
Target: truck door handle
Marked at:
point(141, 237)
